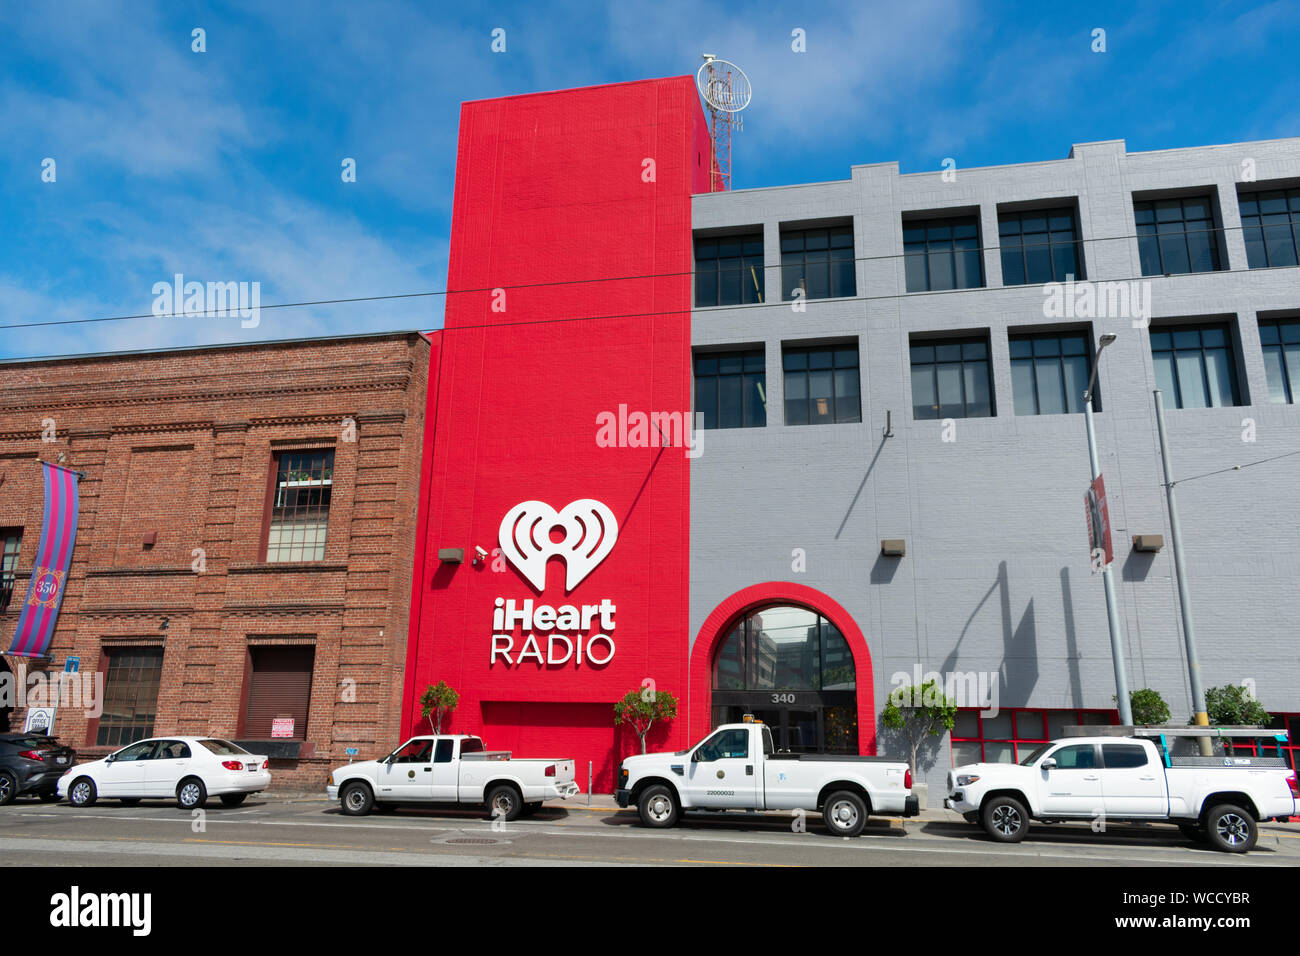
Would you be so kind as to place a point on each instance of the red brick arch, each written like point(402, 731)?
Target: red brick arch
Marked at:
point(699, 706)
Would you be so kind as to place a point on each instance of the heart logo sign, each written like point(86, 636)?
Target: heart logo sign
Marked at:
point(589, 529)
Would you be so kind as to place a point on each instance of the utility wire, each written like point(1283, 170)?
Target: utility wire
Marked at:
point(1221, 471)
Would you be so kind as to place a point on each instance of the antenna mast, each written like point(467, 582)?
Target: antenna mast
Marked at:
point(726, 92)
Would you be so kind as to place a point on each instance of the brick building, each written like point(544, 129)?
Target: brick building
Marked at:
point(247, 526)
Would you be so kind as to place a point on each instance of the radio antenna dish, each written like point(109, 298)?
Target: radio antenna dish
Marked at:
point(726, 92)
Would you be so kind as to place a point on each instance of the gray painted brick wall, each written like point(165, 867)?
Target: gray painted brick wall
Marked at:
point(997, 576)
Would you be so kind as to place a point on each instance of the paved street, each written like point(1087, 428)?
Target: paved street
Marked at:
point(275, 831)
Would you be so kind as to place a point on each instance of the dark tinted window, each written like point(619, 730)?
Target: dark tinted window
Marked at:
point(1120, 756)
point(951, 378)
point(1270, 224)
point(731, 389)
point(417, 751)
point(822, 385)
point(1176, 236)
point(130, 695)
point(729, 270)
point(819, 262)
point(942, 254)
point(1039, 246)
point(471, 745)
point(1195, 365)
point(443, 753)
point(1049, 372)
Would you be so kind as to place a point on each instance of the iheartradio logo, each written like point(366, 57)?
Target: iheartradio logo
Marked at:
point(589, 532)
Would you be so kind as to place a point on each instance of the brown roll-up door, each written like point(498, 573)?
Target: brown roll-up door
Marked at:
point(280, 686)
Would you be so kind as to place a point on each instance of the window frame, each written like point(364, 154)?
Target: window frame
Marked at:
point(836, 350)
point(745, 261)
point(802, 233)
point(1060, 335)
point(756, 376)
point(1230, 353)
point(1290, 385)
point(1290, 196)
point(1022, 248)
point(1023, 736)
point(272, 491)
point(934, 363)
point(101, 728)
point(1213, 231)
point(932, 246)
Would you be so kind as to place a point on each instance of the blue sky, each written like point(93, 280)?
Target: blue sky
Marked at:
point(225, 165)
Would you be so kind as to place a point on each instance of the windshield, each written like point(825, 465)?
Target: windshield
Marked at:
point(1033, 757)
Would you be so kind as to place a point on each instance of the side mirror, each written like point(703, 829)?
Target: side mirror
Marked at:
point(1048, 764)
point(110, 758)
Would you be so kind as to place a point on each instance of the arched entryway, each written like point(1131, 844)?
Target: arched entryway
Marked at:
point(792, 657)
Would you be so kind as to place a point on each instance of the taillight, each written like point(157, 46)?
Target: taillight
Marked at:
point(1295, 787)
point(550, 771)
point(232, 765)
point(266, 763)
point(907, 779)
point(33, 755)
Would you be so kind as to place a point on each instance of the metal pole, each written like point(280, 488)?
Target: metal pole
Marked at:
point(1112, 609)
point(1201, 717)
point(589, 782)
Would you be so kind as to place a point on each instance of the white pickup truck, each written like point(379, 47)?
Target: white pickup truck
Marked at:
point(736, 767)
point(451, 769)
point(1217, 799)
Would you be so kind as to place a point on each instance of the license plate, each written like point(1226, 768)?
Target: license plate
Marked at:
point(251, 766)
point(61, 760)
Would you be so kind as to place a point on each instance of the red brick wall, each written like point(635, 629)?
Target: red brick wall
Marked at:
point(183, 443)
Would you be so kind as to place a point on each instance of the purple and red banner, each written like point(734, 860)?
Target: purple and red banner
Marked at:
point(50, 570)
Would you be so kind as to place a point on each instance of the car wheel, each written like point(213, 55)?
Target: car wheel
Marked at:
point(82, 793)
point(356, 799)
point(48, 796)
point(1231, 829)
point(658, 807)
point(8, 788)
point(504, 802)
point(233, 799)
point(845, 813)
point(191, 794)
point(130, 801)
point(1005, 819)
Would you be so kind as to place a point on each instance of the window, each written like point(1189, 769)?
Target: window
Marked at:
point(951, 379)
point(724, 744)
point(1195, 366)
point(729, 270)
point(943, 254)
point(142, 751)
point(1015, 734)
point(731, 389)
point(301, 509)
point(1281, 343)
point(172, 750)
point(818, 261)
point(1075, 757)
point(223, 748)
point(443, 752)
point(417, 751)
point(1176, 236)
point(822, 386)
point(471, 745)
point(11, 540)
point(1270, 223)
point(1123, 756)
point(1039, 246)
point(784, 648)
point(1049, 372)
point(279, 686)
point(130, 695)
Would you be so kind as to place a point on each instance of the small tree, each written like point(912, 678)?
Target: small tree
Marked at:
point(639, 709)
point(1235, 705)
point(918, 713)
point(1149, 708)
point(437, 701)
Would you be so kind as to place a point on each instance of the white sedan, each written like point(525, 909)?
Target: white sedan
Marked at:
point(186, 769)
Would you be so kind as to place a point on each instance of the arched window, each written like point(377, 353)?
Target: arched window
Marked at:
point(784, 648)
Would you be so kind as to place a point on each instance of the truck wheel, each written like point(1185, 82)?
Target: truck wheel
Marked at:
point(845, 813)
point(1005, 819)
point(1193, 831)
point(658, 807)
point(504, 802)
point(1231, 829)
point(356, 800)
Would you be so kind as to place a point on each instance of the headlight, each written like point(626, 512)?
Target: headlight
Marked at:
point(966, 779)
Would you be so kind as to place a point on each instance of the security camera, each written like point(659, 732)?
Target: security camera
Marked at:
point(480, 552)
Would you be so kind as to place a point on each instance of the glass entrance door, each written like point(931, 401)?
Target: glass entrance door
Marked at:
point(803, 728)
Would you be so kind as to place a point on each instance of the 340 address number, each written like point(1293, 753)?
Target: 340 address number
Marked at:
point(783, 698)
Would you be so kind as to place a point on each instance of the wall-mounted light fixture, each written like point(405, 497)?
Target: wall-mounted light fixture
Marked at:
point(451, 555)
point(1148, 542)
point(893, 547)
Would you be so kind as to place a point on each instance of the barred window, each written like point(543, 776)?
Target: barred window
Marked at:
point(130, 695)
point(301, 508)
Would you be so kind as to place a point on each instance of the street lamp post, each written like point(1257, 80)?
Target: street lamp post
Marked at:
point(1112, 607)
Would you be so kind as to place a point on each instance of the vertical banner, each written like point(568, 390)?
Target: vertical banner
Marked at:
point(50, 570)
point(1098, 514)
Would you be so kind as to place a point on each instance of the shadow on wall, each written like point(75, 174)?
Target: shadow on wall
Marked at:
point(1018, 674)
point(893, 743)
point(1138, 565)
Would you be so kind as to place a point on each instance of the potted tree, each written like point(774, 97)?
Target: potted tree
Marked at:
point(918, 713)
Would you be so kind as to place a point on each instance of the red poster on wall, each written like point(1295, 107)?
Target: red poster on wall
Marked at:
point(1098, 522)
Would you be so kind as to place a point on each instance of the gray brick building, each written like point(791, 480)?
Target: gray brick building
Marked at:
point(985, 483)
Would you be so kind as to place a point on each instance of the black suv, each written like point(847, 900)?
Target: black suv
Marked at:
point(32, 763)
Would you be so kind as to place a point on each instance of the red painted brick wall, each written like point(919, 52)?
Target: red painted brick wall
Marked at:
point(183, 443)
